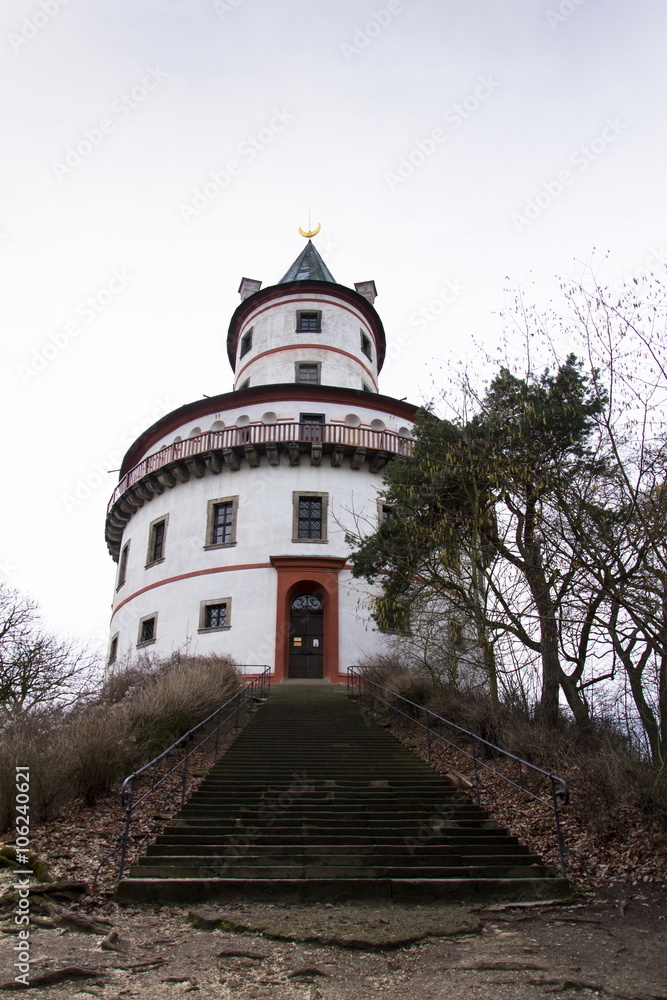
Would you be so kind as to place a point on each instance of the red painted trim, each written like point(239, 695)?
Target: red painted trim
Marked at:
point(300, 290)
point(307, 347)
point(277, 393)
point(186, 576)
point(298, 574)
point(298, 297)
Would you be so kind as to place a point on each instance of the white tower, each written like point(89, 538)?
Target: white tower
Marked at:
point(228, 523)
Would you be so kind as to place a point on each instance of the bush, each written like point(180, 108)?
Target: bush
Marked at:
point(141, 710)
point(26, 742)
point(181, 694)
point(390, 672)
point(594, 757)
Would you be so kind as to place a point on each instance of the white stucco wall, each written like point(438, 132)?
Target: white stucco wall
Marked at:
point(277, 347)
point(189, 573)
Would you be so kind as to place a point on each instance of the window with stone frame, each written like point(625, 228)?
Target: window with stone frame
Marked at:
point(221, 522)
point(366, 346)
point(122, 565)
point(157, 537)
point(215, 614)
point(385, 511)
point(393, 616)
point(147, 630)
point(309, 322)
point(246, 343)
point(309, 517)
point(308, 373)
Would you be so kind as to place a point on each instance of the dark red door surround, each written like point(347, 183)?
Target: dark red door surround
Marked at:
point(307, 575)
point(306, 639)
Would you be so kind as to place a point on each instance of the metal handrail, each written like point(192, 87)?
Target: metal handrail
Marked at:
point(282, 433)
point(242, 701)
point(559, 796)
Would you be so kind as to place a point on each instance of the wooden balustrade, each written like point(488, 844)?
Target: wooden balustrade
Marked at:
point(262, 434)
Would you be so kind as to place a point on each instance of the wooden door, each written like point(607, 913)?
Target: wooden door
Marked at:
point(306, 638)
point(311, 427)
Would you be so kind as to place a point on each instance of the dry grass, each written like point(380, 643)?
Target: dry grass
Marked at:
point(86, 752)
point(611, 786)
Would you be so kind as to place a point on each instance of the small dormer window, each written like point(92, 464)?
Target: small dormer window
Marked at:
point(366, 346)
point(308, 322)
point(246, 343)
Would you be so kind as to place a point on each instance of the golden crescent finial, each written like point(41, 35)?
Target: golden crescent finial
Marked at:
point(314, 232)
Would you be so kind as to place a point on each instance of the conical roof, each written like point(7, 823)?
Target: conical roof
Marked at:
point(308, 266)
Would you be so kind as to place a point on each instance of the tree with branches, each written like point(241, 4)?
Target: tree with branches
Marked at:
point(38, 669)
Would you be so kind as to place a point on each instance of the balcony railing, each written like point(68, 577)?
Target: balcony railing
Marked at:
point(327, 435)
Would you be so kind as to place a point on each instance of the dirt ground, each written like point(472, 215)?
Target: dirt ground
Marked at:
point(614, 944)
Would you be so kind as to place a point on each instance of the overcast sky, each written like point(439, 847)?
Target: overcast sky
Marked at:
point(157, 151)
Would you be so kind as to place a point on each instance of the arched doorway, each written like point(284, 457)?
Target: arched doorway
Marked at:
point(306, 637)
point(317, 576)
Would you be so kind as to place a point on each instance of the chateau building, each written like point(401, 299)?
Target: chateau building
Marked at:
point(228, 523)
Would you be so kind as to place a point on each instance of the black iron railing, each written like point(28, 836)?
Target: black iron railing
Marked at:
point(213, 730)
point(483, 754)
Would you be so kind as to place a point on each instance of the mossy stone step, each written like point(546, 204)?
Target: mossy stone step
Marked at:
point(314, 802)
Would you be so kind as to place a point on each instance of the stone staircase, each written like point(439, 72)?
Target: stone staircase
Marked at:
point(313, 802)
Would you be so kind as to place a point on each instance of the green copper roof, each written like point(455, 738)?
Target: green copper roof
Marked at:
point(308, 266)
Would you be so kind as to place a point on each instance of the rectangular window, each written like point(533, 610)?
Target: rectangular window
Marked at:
point(223, 516)
point(122, 566)
point(245, 384)
point(309, 322)
point(308, 373)
point(393, 616)
point(309, 517)
point(113, 650)
point(215, 614)
point(385, 512)
point(157, 535)
point(221, 522)
point(246, 343)
point(365, 387)
point(366, 346)
point(147, 630)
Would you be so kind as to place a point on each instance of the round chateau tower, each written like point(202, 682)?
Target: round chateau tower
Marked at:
point(228, 523)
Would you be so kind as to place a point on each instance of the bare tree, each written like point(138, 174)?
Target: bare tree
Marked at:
point(37, 668)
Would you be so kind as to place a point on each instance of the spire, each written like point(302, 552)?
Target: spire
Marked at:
point(308, 266)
